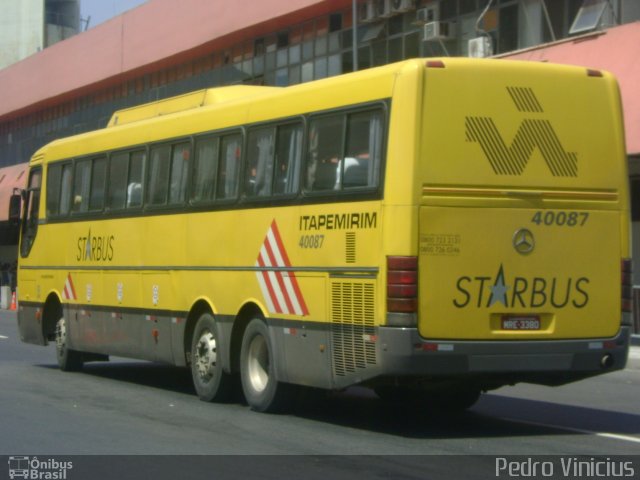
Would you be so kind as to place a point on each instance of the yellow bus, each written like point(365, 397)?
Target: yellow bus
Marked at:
point(431, 229)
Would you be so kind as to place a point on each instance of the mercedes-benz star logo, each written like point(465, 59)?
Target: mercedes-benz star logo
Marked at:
point(523, 241)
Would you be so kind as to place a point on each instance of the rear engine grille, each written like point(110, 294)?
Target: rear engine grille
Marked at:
point(352, 326)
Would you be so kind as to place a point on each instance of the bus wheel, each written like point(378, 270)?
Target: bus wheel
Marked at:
point(262, 390)
point(211, 382)
point(68, 360)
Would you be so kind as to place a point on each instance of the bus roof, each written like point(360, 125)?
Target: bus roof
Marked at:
point(264, 102)
point(188, 101)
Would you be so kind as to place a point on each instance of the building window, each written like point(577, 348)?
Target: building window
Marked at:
point(588, 17)
point(335, 22)
point(508, 29)
point(635, 199)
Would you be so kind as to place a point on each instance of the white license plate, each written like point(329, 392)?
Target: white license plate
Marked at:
point(520, 323)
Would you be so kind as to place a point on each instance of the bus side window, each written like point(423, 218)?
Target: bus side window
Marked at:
point(179, 171)
point(98, 174)
point(326, 140)
point(66, 188)
point(229, 167)
point(288, 158)
point(134, 188)
point(259, 162)
point(118, 180)
point(159, 175)
point(54, 180)
point(204, 169)
point(81, 186)
point(364, 150)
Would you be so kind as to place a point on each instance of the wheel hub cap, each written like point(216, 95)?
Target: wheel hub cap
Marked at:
point(61, 336)
point(206, 355)
point(258, 364)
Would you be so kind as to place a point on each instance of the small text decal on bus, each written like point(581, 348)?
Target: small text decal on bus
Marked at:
point(533, 133)
point(521, 292)
point(95, 248)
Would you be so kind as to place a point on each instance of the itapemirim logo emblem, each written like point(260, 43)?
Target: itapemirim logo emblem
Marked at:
point(533, 133)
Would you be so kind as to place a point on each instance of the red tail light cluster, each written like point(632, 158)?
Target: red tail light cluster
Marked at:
point(402, 284)
point(627, 282)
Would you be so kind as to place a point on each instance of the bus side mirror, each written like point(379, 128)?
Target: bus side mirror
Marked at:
point(15, 208)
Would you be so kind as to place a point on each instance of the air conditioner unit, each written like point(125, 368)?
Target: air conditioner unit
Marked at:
point(480, 47)
point(428, 14)
point(401, 6)
point(366, 12)
point(383, 8)
point(438, 31)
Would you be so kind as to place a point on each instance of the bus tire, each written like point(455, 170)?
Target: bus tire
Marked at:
point(262, 391)
point(68, 360)
point(211, 382)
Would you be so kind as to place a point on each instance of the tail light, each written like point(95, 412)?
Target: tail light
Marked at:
point(626, 283)
point(402, 284)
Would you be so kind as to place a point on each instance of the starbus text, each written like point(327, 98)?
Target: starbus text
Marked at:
point(95, 248)
point(521, 292)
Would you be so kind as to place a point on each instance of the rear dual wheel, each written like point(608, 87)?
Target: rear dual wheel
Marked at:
point(262, 391)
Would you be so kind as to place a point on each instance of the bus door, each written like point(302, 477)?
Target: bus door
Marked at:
point(31, 211)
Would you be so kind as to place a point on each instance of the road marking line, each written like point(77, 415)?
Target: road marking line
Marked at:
point(3, 337)
point(615, 436)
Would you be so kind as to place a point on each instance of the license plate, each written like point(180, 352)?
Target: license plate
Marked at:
point(520, 323)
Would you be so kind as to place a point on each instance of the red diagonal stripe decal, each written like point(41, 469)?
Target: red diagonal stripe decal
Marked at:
point(267, 281)
point(292, 276)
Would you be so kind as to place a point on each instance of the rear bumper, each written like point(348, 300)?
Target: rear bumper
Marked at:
point(404, 352)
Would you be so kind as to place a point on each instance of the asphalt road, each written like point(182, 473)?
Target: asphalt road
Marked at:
point(126, 407)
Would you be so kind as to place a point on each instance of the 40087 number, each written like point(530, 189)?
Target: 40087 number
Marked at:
point(560, 218)
point(311, 241)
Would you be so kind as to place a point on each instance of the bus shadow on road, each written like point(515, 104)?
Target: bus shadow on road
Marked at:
point(494, 416)
point(154, 375)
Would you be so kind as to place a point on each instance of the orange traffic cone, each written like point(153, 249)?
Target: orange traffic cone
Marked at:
point(13, 301)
